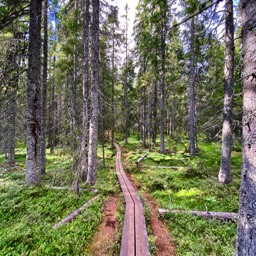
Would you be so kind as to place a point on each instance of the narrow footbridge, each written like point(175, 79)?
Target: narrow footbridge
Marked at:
point(135, 238)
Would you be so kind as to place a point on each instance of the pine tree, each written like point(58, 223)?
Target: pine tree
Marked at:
point(246, 238)
point(33, 95)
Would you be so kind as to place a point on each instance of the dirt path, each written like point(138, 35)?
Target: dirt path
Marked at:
point(105, 237)
point(164, 244)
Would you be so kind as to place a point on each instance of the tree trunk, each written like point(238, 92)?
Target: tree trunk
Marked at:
point(112, 93)
point(225, 172)
point(126, 79)
point(44, 88)
point(13, 80)
point(93, 135)
point(144, 132)
point(75, 185)
point(12, 107)
point(51, 129)
point(192, 92)
point(162, 105)
point(86, 38)
point(33, 95)
point(173, 110)
point(246, 232)
point(154, 134)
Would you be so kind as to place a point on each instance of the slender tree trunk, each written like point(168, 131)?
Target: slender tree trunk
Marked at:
point(93, 134)
point(44, 88)
point(112, 95)
point(225, 166)
point(13, 79)
point(12, 107)
point(144, 130)
point(126, 79)
point(51, 130)
point(103, 120)
point(246, 232)
point(154, 114)
point(173, 110)
point(33, 95)
point(75, 185)
point(162, 105)
point(86, 38)
point(192, 92)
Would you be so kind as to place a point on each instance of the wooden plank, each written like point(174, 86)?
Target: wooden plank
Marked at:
point(134, 237)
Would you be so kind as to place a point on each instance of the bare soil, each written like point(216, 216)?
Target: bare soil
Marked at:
point(164, 244)
point(105, 237)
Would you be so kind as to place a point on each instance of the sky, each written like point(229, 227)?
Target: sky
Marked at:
point(131, 13)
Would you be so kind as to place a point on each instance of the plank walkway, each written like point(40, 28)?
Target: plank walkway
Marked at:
point(134, 238)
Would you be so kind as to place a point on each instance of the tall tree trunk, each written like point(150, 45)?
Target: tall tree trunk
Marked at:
point(192, 91)
point(51, 129)
point(126, 78)
point(86, 38)
point(173, 110)
point(112, 93)
point(93, 132)
point(44, 88)
point(246, 232)
point(13, 80)
point(154, 134)
point(144, 130)
point(33, 95)
point(75, 185)
point(162, 105)
point(225, 172)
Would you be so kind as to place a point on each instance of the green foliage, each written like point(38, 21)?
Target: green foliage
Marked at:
point(28, 213)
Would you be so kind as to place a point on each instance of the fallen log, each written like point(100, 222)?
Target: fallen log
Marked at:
point(225, 216)
point(140, 159)
point(58, 188)
point(71, 216)
point(164, 167)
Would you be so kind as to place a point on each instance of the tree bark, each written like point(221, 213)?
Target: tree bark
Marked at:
point(51, 129)
point(93, 134)
point(86, 38)
point(33, 95)
point(225, 167)
point(246, 232)
point(75, 185)
point(44, 89)
point(192, 91)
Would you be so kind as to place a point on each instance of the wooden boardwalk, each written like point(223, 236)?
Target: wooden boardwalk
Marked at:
point(135, 238)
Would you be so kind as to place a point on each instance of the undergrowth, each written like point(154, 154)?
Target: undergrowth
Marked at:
point(28, 213)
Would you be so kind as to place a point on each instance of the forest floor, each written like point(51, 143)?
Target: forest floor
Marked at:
point(107, 233)
point(188, 184)
point(28, 213)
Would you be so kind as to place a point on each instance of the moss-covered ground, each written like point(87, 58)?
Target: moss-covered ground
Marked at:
point(27, 213)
